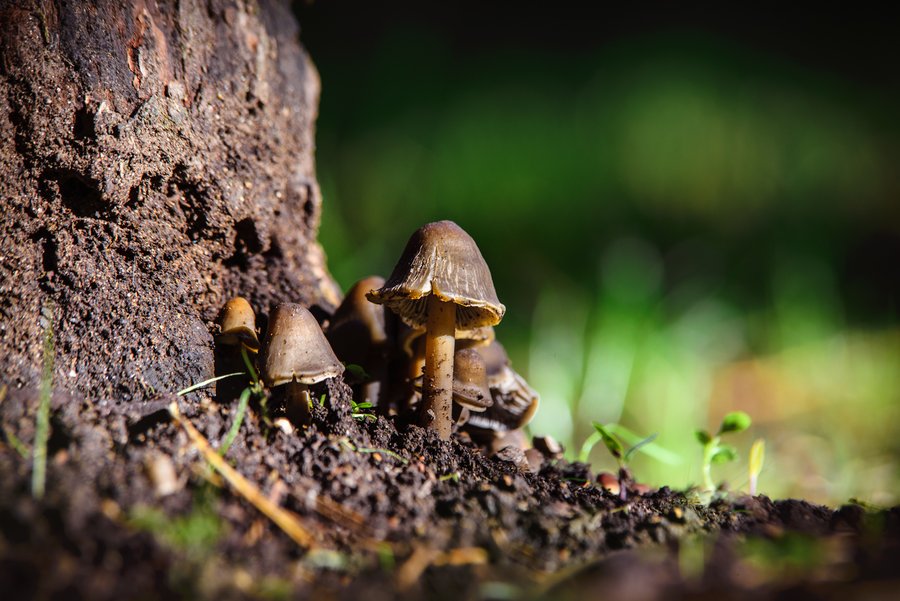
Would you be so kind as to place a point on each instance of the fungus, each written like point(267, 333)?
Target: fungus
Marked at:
point(297, 355)
point(514, 401)
point(358, 335)
point(443, 283)
point(239, 324)
point(470, 383)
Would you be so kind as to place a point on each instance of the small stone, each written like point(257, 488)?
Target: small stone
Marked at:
point(535, 460)
point(514, 455)
point(161, 472)
point(284, 425)
point(609, 482)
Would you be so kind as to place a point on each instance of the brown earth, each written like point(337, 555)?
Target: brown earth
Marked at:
point(471, 525)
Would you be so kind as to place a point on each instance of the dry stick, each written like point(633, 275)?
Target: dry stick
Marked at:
point(286, 520)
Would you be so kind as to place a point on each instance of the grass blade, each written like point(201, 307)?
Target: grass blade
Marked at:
point(42, 420)
point(206, 383)
point(236, 424)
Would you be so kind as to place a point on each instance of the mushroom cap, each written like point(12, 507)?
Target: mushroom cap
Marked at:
point(515, 402)
point(239, 324)
point(441, 259)
point(470, 387)
point(296, 348)
point(357, 331)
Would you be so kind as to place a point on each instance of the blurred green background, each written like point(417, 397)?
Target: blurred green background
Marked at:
point(685, 212)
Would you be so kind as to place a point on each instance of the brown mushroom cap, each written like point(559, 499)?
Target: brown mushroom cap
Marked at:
point(296, 348)
point(239, 324)
point(515, 402)
point(357, 331)
point(441, 259)
point(470, 388)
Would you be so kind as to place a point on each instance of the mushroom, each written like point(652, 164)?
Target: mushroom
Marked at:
point(239, 324)
point(515, 402)
point(443, 283)
point(470, 383)
point(412, 340)
point(358, 335)
point(297, 355)
point(238, 328)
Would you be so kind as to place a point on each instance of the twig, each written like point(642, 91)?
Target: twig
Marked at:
point(289, 522)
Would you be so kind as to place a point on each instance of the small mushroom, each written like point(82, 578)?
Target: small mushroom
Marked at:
point(358, 335)
point(548, 446)
point(470, 383)
point(297, 354)
point(239, 324)
point(515, 402)
point(443, 283)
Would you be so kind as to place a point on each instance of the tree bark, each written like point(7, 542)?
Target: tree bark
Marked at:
point(156, 158)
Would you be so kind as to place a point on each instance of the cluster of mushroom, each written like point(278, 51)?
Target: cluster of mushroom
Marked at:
point(295, 354)
point(423, 340)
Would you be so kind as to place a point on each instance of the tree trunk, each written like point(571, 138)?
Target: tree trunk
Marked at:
point(156, 158)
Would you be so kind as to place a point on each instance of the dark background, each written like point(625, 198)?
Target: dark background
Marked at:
point(686, 210)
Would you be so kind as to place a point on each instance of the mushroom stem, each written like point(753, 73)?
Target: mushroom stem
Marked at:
point(297, 401)
point(437, 393)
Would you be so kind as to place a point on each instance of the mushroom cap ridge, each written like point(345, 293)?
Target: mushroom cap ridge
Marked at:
point(296, 348)
point(441, 259)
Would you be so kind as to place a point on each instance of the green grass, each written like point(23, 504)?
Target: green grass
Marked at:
point(42, 419)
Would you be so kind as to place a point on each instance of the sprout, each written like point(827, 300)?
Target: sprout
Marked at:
point(714, 451)
point(622, 455)
point(757, 458)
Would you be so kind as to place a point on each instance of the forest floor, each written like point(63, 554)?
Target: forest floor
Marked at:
point(134, 510)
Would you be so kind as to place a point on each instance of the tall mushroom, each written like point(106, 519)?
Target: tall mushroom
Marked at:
point(297, 355)
point(443, 283)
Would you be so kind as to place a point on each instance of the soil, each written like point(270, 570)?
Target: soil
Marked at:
point(396, 513)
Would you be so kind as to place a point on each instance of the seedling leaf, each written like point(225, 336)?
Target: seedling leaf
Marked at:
point(703, 436)
point(236, 424)
point(357, 372)
point(736, 421)
point(612, 443)
point(724, 454)
point(637, 447)
point(757, 456)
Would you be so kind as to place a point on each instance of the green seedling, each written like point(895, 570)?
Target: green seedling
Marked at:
point(622, 455)
point(357, 373)
point(358, 411)
point(238, 419)
point(714, 451)
point(451, 476)
point(756, 461)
